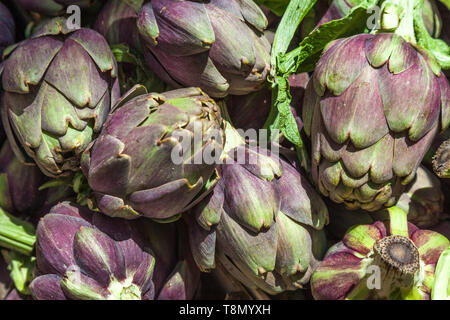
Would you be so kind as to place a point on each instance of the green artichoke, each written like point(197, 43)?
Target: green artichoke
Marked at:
point(59, 86)
point(377, 262)
point(372, 110)
point(156, 154)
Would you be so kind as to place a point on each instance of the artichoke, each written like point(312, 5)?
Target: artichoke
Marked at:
point(262, 223)
point(57, 99)
point(117, 23)
point(423, 200)
point(8, 27)
point(223, 52)
point(55, 7)
point(19, 184)
point(375, 262)
point(81, 255)
point(372, 108)
point(151, 157)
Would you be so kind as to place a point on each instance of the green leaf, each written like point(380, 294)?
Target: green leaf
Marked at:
point(305, 57)
point(294, 14)
point(398, 221)
point(16, 234)
point(438, 48)
point(281, 117)
point(135, 4)
point(21, 269)
point(138, 73)
point(55, 183)
point(446, 3)
point(276, 6)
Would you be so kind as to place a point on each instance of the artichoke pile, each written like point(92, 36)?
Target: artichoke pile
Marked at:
point(139, 157)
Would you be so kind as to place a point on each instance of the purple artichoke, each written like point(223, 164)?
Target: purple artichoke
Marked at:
point(57, 99)
point(216, 45)
point(20, 198)
point(54, 7)
point(8, 27)
point(19, 184)
point(372, 108)
point(403, 264)
point(262, 223)
point(117, 23)
point(88, 256)
point(132, 168)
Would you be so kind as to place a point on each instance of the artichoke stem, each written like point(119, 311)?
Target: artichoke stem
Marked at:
point(398, 260)
point(441, 287)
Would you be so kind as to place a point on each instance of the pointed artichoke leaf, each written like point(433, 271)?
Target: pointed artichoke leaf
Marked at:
point(98, 256)
point(47, 287)
point(78, 286)
point(255, 250)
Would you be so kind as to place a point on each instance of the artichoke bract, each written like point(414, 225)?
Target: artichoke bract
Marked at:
point(372, 262)
point(8, 27)
point(372, 109)
point(117, 23)
point(54, 7)
point(156, 154)
point(216, 45)
point(88, 256)
point(19, 184)
point(263, 223)
point(57, 99)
